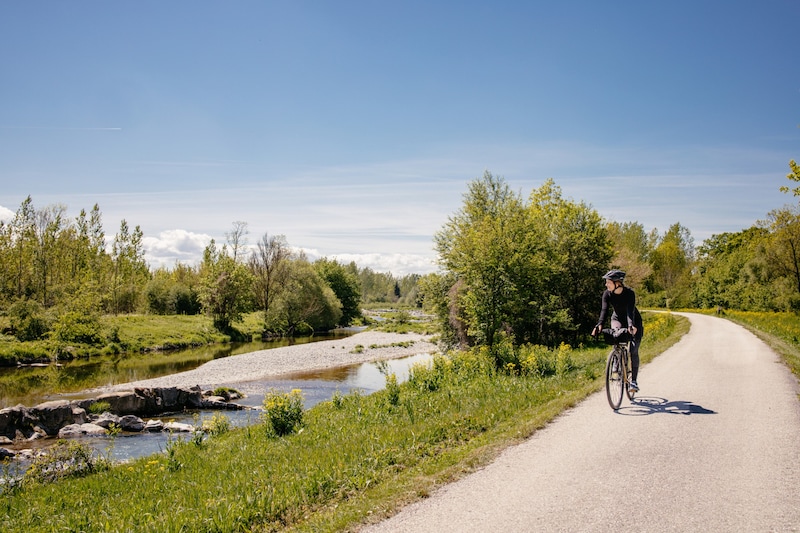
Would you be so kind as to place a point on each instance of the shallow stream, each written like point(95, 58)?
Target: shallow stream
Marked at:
point(317, 386)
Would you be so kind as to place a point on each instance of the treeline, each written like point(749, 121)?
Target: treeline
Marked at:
point(514, 270)
point(58, 275)
point(528, 270)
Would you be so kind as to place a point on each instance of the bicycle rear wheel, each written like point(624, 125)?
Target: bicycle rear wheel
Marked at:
point(614, 380)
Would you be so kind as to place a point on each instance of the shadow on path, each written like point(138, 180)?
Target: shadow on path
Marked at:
point(650, 405)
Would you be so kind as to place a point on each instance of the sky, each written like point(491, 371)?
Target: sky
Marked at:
point(353, 128)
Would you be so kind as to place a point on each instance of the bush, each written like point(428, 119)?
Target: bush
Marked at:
point(283, 412)
point(64, 460)
point(77, 327)
point(27, 320)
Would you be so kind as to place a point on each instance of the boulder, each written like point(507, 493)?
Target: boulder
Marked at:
point(124, 402)
point(80, 430)
point(178, 427)
point(11, 421)
point(131, 423)
point(78, 415)
point(50, 417)
point(154, 425)
point(106, 419)
point(5, 453)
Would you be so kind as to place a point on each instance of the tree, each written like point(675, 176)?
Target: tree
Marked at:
point(344, 285)
point(632, 250)
point(237, 239)
point(307, 304)
point(672, 261)
point(730, 271)
point(130, 271)
point(578, 251)
point(783, 251)
point(225, 287)
point(269, 267)
point(794, 175)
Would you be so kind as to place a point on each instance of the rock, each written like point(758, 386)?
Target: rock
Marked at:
point(178, 427)
point(78, 415)
point(80, 430)
point(154, 425)
point(124, 402)
point(131, 423)
point(106, 419)
point(93, 429)
point(5, 440)
point(11, 420)
point(72, 430)
point(49, 416)
point(5, 453)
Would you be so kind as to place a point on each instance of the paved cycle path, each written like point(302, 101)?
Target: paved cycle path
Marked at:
point(711, 444)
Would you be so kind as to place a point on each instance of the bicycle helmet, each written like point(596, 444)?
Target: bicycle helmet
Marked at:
point(615, 275)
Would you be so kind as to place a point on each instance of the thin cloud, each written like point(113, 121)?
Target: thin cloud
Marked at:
point(60, 128)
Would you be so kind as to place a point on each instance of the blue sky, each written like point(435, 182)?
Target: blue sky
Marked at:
point(354, 127)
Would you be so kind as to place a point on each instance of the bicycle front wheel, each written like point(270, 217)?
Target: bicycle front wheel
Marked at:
point(614, 380)
point(628, 375)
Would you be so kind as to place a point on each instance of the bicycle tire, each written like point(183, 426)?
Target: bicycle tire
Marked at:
point(614, 382)
point(628, 374)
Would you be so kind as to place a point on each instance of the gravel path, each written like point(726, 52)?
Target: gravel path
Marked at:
point(277, 362)
point(709, 445)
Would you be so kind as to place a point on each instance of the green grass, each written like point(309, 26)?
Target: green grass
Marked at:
point(353, 459)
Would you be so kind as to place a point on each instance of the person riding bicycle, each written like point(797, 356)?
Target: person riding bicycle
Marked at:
point(623, 302)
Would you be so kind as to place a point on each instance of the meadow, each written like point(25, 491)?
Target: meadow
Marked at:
point(346, 461)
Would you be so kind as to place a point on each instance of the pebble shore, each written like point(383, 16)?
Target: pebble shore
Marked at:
point(276, 362)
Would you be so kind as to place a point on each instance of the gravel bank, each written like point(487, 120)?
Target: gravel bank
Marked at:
point(276, 362)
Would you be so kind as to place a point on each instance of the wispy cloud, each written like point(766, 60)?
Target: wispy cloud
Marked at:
point(61, 128)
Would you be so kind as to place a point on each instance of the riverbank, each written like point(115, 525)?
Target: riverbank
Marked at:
point(364, 347)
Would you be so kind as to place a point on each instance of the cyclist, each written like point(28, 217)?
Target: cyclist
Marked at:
point(623, 302)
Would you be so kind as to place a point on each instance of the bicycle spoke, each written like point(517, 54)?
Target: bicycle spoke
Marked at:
point(614, 380)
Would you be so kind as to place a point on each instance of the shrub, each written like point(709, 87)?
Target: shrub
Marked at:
point(283, 412)
point(64, 460)
point(218, 425)
point(392, 389)
point(74, 326)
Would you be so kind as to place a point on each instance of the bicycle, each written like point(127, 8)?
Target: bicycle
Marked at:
point(618, 368)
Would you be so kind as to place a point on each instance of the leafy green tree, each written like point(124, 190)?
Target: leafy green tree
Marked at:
point(439, 295)
point(487, 246)
point(578, 251)
point(524, 272)
point(344, 285)
point(307, 303)
point(783, 249)
point(794, 175)
point(225, 287)
point(731, 271)
point(632, 251)
point(130, 270)
point(672, 261)
point(21, 238)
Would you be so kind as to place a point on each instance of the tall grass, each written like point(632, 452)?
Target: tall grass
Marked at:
point(352, 458)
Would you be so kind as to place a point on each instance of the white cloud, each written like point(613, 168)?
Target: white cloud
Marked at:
point(175, 245)
point(398, 264)
point(6, 214)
